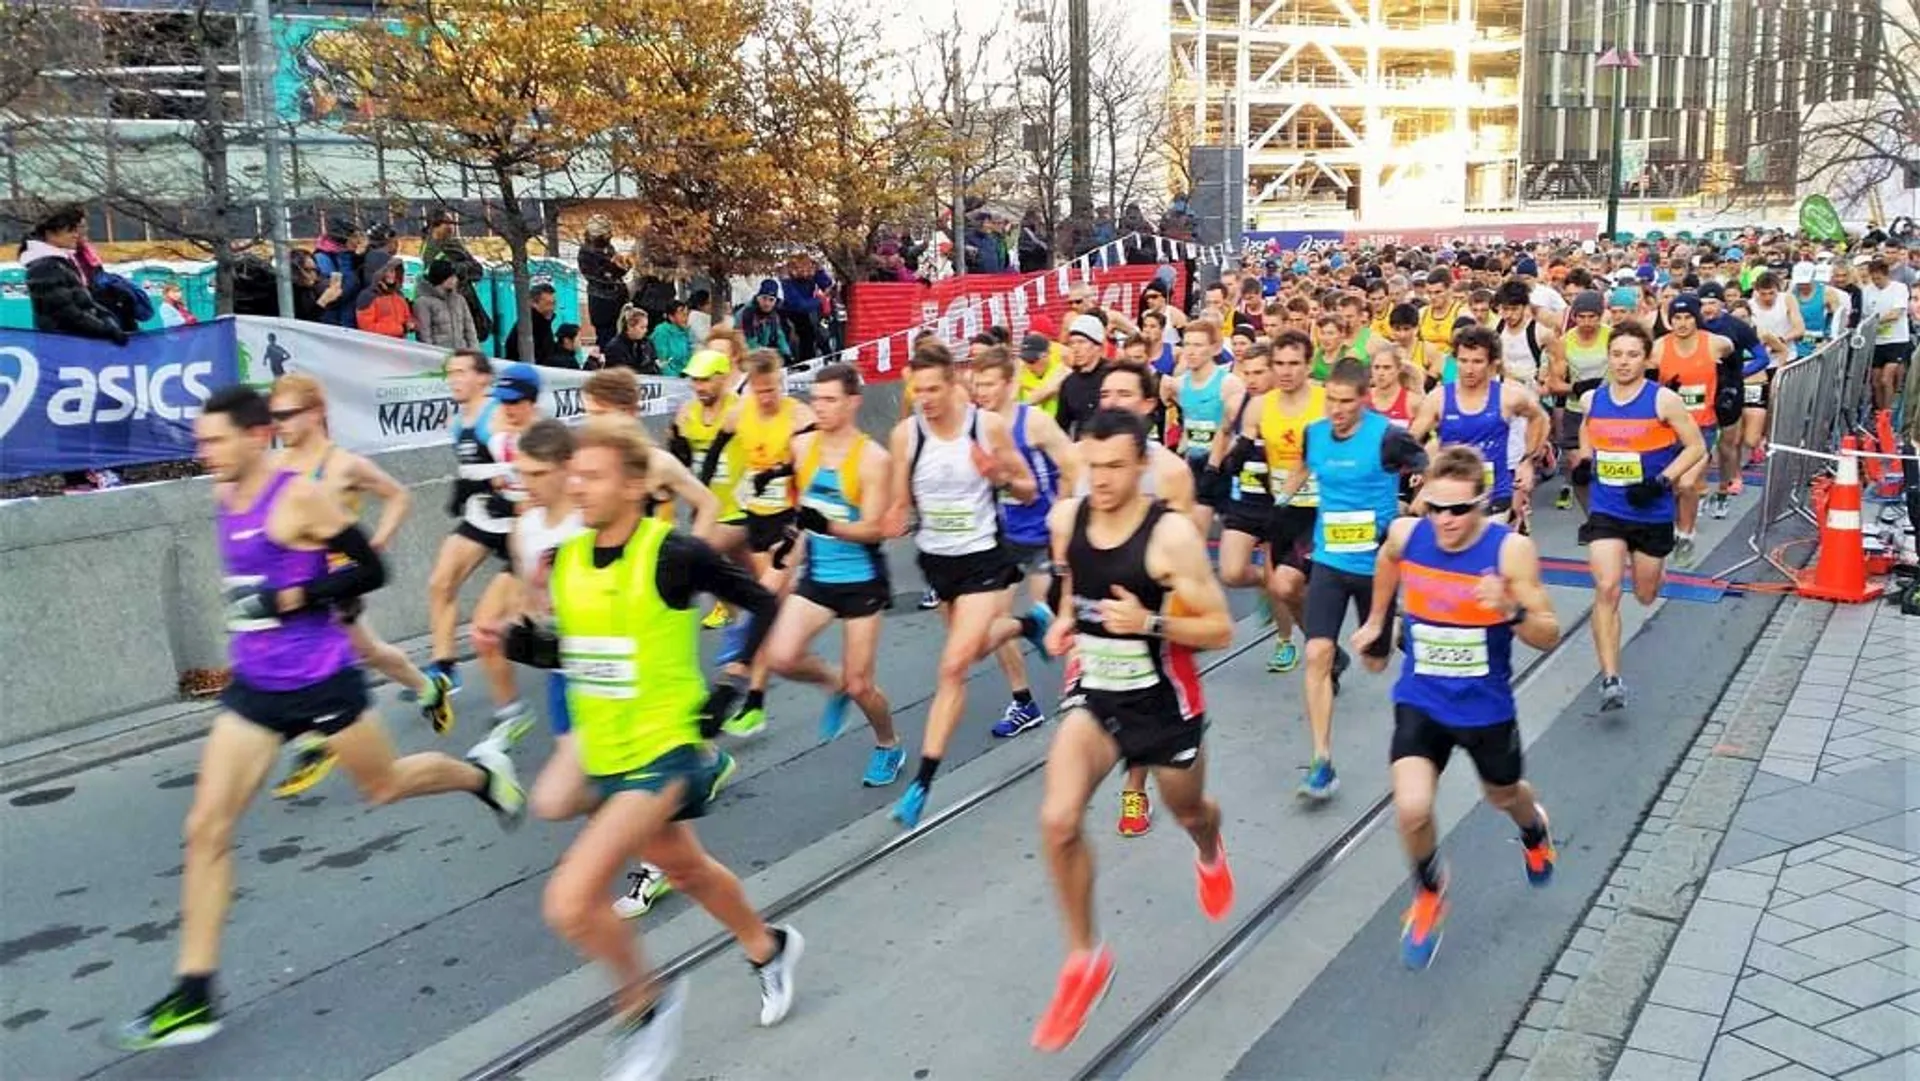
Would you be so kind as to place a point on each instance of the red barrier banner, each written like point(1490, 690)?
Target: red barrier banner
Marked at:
point(885, 318)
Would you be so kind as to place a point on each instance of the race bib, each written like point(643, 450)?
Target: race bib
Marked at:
point(237, 625)
point(1115, 664)
point(1617, 468)
point(1693, 396)
point(1253, 478)
point(600, 667)
point(1487, 475)
point(1349, 531)
point(1199, 437)
point(947, 519)
point(772, 501)
point(1449, 652)
point(1754, 393)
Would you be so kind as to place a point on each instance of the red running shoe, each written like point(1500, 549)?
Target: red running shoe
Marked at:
point(1084, 980)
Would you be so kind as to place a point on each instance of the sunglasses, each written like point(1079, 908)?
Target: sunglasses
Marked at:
point(1454, 510)
point(287, 414)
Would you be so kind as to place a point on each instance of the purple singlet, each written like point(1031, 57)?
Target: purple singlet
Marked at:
point(278, 653)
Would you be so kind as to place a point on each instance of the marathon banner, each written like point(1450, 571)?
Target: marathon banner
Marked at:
point(71, 404)
point(1470, 233)
point(390, 394)
point(888, 317)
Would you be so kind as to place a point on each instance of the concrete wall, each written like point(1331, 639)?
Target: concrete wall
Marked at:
point(106, 598)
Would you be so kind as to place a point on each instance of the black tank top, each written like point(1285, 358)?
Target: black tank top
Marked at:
point(1104, 661)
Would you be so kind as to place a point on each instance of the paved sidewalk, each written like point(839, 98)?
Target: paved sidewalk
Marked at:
point(1794, 953)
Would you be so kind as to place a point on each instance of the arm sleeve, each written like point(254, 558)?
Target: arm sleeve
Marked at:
point(689, 566)
point(361, 572)
point(1399, 453)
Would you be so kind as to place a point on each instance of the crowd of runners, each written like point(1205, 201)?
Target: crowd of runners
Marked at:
point(1358, 434)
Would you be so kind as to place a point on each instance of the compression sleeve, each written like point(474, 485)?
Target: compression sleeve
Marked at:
point(1400, 453)
point(359, 572)
point(712, 463)
point(689, 566)
point(678, 446)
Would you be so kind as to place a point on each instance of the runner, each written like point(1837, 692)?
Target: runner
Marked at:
point(697, 438)
point(1782, 329)
point(1476, 410)
point(949, 458)
point(1200, 392)
point(293, 672)
point(1749, 358)
point(1883, 306)
point(616, 392)
point(1140, 600)
point(1688, 360)
point(1581, 367)
point(623, 595)
point(1529, 349)
point(299, 409)
point(1279, 429)
point(1043, 368)
point(1249, 506)
point(1393, 383)
point(1357, 458)
point(1639, 442)
point(1470, 587)
point(1823, 309)
point(1050, 459)
point(842, 479)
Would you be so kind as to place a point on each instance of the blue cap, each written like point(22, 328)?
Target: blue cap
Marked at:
point(1625, 296)
point(1526, 268)
point(516, 383)
point(1686, 304)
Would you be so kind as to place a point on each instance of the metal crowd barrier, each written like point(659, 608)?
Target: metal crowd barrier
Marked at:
point(1816, 400)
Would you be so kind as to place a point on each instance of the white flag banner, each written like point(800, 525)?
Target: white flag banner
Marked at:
point(1159, 249)
point(885, 361)
point(1116, 253)
point(1061, 285)
point(1085, 263)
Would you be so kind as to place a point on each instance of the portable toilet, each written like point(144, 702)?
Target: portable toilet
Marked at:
point(565, 280)
point(416, 273)
point(16, 311)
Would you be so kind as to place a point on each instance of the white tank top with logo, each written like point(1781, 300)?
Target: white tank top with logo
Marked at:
point(959, 514)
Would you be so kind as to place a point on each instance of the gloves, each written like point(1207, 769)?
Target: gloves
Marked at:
point(1212, 486)
point(1582, 474)
point(1648, 492)
point(251, 603)
point(813, 521)
point(1673, 384)
point(531, 645)
point(721, 700)
point(783, 551)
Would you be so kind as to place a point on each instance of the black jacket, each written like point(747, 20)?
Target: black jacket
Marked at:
point(544, 347)
point(62, 304)
point(635, 354)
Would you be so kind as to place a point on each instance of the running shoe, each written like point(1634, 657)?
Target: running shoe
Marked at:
point(312, 761)
point(718, 618)
point(912, 805)
point(1422, 927)
point(1735, 486)
point(1216, 885)
point(649, 885)
point(643, 1048)
point(1321, 782)
point(746, 722)
point(1084, 980)
point(1717, 504)
point(174, 1021)
point(451, 671)
point(439, 711)
point(1136, 814)
point(1541, 857)
point(1612, 694)
point(883, 766)
point(1683, 552)
point(776, 976)
point(1759, 455)
point(1037, 638)
point(726, 767)
point(833, 719)
point(1286, 656)
point(511, 723)
point(502, 792)
point(1563, 501)
point(1019, 717)
point(929, 600)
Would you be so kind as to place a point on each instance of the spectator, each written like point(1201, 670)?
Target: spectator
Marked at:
point(889, 265)
point(699, 314)
point(543, 303)
point(804, 294)
point(439, 242)
point(604, 273)
point(312, 291)
point(58, 285)
point(1035, 253)
point(986, 245)
point(173, 306)
point(381, 237)
point(382, 308)
point(672, 345)
point(440, 315)
point(566, 345)
point(340, 256)
point(630, 348)
point(760, 321)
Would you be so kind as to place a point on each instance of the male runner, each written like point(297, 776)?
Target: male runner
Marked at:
point(1749, 358)
point(1469, 588)
point(293, 672)
point(1529, 349)
point(696, 440)
point(1639, 442)
point(1580, 367)
point(1140, 598)
point(1249, 506)
point(1476, 410)
point(949, 459)
point(1823, 309)
point(1688, 360)
point(1278, 430)
point(1050, 459)
point(1782, 329)
point(623, 596)
point(299, 409)
point(1884, 301)
point(1201, 392)
point(1357, 457)
point(616, 392)
point(842, 479)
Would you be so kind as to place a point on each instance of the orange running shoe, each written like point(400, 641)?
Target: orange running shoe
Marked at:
point(1541, 858)
point(1136, 814)
point(1420, 932)
point(1216, 885)
point(1084, 980)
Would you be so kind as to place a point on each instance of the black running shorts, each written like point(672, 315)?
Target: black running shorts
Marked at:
point(1253, 519)
point(848, 600)
point(1290, 534)
point(495, 543)
point(765, 532)
point(1494, 748)
point(1647, 538)
point(1145, 725)
point(976, 572)
point(327, 707)
point(1330, 593)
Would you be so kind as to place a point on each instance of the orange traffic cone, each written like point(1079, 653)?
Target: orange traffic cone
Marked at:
point(1840, 570)
point(1890, 474)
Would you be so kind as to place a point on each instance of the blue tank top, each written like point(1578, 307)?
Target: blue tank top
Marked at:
point(1201, 410)
point(1359, 498)
point(832, 561)
point(1026, 523)
point(1486, 431)
point(1459, 653)
point(1813, 312)
point(286, 652)
point(1630, 444)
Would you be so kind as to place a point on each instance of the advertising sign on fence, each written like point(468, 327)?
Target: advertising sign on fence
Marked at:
point(68, 404)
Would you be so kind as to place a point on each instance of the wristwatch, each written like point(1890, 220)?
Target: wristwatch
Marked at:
point(1519, 616)
point(1156, 626)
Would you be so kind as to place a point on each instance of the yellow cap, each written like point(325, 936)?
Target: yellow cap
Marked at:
point(708, 363)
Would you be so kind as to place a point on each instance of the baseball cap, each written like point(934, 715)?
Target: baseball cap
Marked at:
point(1088, 327)
point(706, 364)
point(516, 383)
point(1589, 302)
point(1035, 346)
point(1802, 273)
point(1526, 268)
point(1712, 291)
point(1625, 296)
point(1823, 272)
point(1686, 304)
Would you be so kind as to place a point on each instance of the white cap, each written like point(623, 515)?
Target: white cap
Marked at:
point(1626, 274)
point(1862, 259)
point(1823, 272)
point(1802, 273)
point(1088, 327)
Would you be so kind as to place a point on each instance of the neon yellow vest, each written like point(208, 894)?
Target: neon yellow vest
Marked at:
point(634, 685)
point(1029, 382)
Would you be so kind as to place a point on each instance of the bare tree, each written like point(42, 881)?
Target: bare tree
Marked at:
point(1853, 145)
point(1041, 93)
point(970, 119)
point(1130, 115)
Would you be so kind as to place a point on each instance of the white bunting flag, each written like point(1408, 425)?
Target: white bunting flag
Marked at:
point(885, 363)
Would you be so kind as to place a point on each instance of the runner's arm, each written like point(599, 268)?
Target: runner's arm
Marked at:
point(1050, 439)
point(1521, 402)
point(1559, 378)
point(1049, 388)
point(673, 475)
point(1199, 617)
point(900, 487)
point(1403, 454)
point(310, 519)
point(1386, 572)
point(688, 566)
point(1427, 417)
point(1693, 446)
point(395, 499)
point(1584, 452)
point(1009, 470)
point(1520, 567)
point(1223, 439)
point(876, 472)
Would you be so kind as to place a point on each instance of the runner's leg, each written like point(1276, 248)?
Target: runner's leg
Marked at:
point(574, 903)
point(676, 849)
point(1082, 754)
point(860, 651)
point(233, 765)
point(560, 792)
point(382, 777)
point(1607, 559)
point(451, 568)
point(1184, 792)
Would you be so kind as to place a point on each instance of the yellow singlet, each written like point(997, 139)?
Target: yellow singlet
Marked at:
point(1029, 382)
point(766, 443)
point(700, 428)
point(1285, 437)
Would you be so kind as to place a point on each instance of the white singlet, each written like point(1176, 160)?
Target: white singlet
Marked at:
point(534, 539)
point(959, 513)
point(1516, 356)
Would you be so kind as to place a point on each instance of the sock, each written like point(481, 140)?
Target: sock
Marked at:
point(1426, 872)
point(485, 789)
point(444, 664)
point(755, 700)
point(1535, 835)
point(928, 767)
point(197, 988)
point(1023, 697)
point(779, 947)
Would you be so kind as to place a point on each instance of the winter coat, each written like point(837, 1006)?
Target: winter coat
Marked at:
point(442, 318)
point(62, 304)
point(632, 353)
point(331, 257)
point(764, 330)
point(378, 311)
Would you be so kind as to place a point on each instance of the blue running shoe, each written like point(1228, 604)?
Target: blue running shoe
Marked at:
point(833, 720)
point(1042, 619)
point(883, 767)
point(1321, 782)
point(1020, 716)
point(911, 806)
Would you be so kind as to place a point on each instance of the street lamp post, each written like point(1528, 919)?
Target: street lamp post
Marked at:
point(1620, 59)
point(266, 61)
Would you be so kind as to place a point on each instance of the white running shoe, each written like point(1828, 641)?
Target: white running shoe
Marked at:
point(644, 1051)
point(503, 792)
point(776, 976)
point(649, 885)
